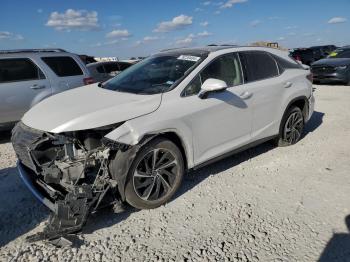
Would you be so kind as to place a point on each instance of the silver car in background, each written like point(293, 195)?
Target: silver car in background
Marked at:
point(103, 71)
point(29, 76)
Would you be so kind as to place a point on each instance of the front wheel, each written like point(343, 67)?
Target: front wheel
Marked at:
point(155, 174)
point(292, 127)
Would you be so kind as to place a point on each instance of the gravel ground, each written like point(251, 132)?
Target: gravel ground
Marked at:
point(265, 204)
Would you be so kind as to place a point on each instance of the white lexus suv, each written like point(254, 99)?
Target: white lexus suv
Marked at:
point(132, 138)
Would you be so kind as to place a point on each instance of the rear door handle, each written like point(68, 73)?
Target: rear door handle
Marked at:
point(287, 84)
point(246, 95)
point(36, 86)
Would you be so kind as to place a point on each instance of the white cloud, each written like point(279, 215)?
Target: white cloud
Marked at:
point(206, 3)
point(112, 42)
point(5, 35)
point(337, 20)
point(255, 23)
point(231, 3)
point(217, 12)
point(185, 41)
point(40, 10)
point(281, 38)
point(205, 23)
point(291, 27)
point(218, 3)
point(150, 38)
point(74, 19)
point(204, 34)
point(198, 9)
point(177, 23)
point(123, 33)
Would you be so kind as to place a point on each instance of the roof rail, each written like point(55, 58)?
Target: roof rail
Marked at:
point(224, 45)
point(49, 50)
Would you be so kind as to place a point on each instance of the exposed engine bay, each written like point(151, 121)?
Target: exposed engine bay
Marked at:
point(70, 173)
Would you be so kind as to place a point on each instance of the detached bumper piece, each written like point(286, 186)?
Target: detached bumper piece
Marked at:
point(69, 215)
point(69, 218)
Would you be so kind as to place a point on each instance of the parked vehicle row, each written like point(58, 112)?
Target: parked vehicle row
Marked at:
point(103, 71)
point(334, 69)
point(29, 76)
point(132, 138)
point(310, 55)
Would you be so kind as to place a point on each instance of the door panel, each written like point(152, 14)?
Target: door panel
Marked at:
point(22, 84)
point(267, 100)
point(18, 97)
point(220, 123)
point(262, 77)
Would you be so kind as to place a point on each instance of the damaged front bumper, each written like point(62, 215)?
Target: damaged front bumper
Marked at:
point(34, 188)
point(68, 173)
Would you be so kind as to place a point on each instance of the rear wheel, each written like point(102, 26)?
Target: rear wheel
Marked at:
point(292, 127)
point(155, 174)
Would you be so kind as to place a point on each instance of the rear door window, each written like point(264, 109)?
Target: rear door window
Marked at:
point(19, 69)
point(63, 65)
point(258, 66)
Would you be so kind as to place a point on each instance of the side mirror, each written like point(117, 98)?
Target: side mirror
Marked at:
point(212, 85)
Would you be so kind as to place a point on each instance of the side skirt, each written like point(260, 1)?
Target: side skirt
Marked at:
point(235, 151)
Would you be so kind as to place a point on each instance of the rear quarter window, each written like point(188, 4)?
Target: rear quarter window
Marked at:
point(63, 66)
point(284, 64)
point(19, 69)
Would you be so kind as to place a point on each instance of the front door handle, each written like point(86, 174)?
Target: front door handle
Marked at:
point(36, 86)
point(287, 84)
point(246, 95)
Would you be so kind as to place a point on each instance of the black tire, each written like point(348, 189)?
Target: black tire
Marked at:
point(147, 189)
point(292, 127)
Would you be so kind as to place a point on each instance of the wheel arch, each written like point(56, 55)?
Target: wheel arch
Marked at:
point(302, 103)
point(120, 164)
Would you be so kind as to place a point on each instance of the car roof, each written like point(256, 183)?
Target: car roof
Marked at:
point(106, 62)
point(206, 50)
point(34, 53)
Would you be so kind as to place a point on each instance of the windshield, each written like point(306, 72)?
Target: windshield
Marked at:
point(154, 75)
point(340, 53)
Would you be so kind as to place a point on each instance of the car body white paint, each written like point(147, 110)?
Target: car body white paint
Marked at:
point(207, 127)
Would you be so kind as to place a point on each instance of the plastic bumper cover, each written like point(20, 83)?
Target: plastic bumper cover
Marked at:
point(34, 189)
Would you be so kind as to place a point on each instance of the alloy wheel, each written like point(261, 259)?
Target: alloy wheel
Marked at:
point(293, 128)
point(155, 174)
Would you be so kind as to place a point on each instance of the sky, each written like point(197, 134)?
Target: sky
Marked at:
point(131, 28)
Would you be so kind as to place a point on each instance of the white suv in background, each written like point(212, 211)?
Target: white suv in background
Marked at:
point(29, 76)
point(133, 137)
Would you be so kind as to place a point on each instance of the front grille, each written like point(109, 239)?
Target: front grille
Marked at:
point(23, 139)
point(323, 70)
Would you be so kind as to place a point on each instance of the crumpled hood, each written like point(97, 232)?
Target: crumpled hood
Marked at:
point(88, 107)
point(332, 62)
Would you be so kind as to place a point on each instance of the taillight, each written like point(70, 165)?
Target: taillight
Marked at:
point(310, 77)
point(88, 81)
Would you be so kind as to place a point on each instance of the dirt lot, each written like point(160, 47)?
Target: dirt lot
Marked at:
point(265, 204)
